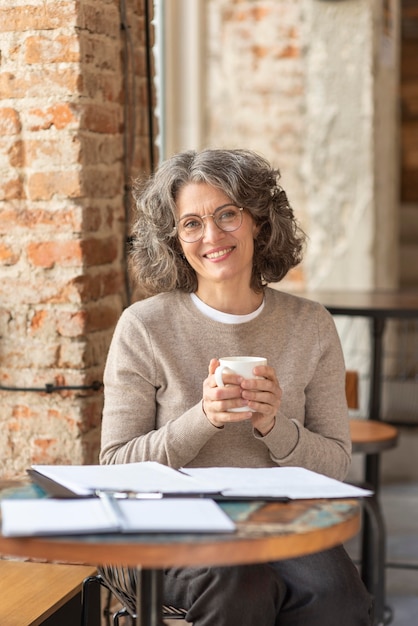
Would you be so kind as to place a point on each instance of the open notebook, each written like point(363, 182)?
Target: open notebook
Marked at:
point(34, 517)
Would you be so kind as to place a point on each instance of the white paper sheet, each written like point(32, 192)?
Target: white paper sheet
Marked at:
point(289, 482)
point(30, 517)
point(42, 517)
point(145, 477)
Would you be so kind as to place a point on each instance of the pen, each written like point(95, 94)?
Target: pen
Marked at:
point(131, 495)
point(113, 511)
point(145, 496)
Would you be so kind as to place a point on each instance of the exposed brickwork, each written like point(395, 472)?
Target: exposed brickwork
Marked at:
point(256, 85)
point(62, 218)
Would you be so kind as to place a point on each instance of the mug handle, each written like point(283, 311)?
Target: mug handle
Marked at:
point(218, 374)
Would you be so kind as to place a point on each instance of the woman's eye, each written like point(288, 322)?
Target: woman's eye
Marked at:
point(227, 215)
point(192, 224)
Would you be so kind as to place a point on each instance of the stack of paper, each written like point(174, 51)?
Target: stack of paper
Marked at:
point(149, 477)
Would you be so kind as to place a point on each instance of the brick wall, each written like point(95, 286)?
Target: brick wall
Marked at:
point(63, 162)
point(256, 87)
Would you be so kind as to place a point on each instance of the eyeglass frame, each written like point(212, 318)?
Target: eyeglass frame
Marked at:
point(213, 216)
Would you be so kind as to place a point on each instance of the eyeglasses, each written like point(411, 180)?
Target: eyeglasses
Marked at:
point(227, 217)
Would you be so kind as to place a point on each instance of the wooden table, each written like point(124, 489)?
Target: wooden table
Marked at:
point(265, 532)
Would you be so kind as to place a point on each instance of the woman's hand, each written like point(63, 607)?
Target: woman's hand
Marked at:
point(262, 395)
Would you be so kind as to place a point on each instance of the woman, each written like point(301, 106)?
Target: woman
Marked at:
point(212, 230)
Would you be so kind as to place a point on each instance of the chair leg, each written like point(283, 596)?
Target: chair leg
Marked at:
point(122, 613)
point(374, 558)
point(86, 600)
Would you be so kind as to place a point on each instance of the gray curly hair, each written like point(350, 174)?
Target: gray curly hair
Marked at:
point(248, 180)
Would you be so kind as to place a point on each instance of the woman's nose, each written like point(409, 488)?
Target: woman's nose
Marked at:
point(211, 230)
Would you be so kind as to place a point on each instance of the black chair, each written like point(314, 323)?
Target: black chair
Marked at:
point(127, 610)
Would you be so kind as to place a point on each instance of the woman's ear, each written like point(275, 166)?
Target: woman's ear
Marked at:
point(256, 229)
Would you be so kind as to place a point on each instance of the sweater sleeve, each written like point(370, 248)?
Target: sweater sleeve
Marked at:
point(130, 428)
point(321, 441)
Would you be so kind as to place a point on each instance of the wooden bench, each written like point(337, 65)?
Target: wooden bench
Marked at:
point(43, 594)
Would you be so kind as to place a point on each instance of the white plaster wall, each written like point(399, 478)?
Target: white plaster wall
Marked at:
point(338, 159)
point(350, 152)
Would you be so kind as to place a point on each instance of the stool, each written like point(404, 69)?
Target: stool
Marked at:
point(371, 438)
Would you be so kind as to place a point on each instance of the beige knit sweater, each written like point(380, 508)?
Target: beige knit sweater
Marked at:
point(159, 357)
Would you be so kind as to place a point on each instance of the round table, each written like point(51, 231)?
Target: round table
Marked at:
point(266, 531)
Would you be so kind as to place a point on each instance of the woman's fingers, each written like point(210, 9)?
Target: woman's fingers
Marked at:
point(261, 395)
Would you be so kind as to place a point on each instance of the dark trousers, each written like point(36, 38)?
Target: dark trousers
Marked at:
point(322, 589)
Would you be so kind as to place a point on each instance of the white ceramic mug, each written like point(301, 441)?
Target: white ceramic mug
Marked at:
point(241, 365)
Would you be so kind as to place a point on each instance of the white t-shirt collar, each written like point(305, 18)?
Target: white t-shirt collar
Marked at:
point(225, 318)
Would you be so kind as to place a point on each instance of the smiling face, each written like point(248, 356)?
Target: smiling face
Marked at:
point(221, 260)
